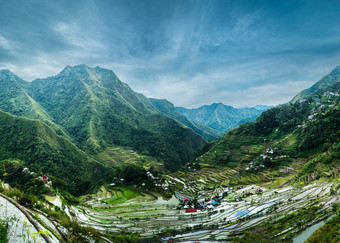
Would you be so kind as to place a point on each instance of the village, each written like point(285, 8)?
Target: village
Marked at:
point(209, 203)
point(224, 213)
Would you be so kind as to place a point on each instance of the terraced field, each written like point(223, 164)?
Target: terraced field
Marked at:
point(118, 155)
point(154, 217)
point(196, 182)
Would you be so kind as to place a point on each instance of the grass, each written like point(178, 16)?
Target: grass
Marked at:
point(121, 194)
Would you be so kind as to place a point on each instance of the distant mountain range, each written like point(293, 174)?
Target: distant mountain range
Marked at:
point(170, 110)
point(220, 117)
point(302, 131)
point(66, 125)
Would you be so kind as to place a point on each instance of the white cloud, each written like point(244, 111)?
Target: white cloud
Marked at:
point(268, 94)
point(76, 36)
point(8, 45)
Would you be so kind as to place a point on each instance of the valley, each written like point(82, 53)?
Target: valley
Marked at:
point(102, 163)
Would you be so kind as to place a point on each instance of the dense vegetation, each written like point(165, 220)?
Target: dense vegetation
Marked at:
point(92, 109)
point(270, 231)
point(326, 81)
point(330, 232)
point(98, 111)
point(15, 100)
point(44, 152)
point(303, 134)
point(169, 109)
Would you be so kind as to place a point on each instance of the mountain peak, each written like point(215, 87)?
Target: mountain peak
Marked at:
point(82, 70)
point(336, 70)
point(6, 75)
point(74, 69)
point(6, 72)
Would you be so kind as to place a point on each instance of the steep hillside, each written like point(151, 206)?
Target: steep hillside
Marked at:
point(15, 100)
point(220, 117)
point(98, 111)
point(43, 151)
point(168, 109)
point(295, 142)
point(328, 80)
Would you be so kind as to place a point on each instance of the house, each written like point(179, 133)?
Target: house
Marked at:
point(191, 210)
point(202, 205)
point(214, 203)
point(44, 177)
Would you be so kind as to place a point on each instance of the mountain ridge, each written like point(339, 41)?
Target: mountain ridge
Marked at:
point(219, 116)
point(304, 135)
point(44, 151)
point(167, 108)
point(327, 80)
point(97, 111)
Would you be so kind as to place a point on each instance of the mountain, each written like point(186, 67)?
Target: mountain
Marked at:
point(15, 100)
point(45, 152)
point(169, 109)
point(220, 117)
point(262, 107)
point(99, 111)
point(329, 79)
point(303, 136)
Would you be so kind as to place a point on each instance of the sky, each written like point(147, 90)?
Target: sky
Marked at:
point(192, 53)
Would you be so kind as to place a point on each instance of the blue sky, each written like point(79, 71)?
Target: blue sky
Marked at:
point(241, 53)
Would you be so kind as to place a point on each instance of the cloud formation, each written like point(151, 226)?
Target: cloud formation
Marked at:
point(189, 52)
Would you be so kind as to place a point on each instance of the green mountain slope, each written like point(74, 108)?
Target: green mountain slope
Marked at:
point(15, 100)
point(45, 152)
point(330, 79)
point(220, 117)
point(302, 140)
point(98, 111)
point(168, 109)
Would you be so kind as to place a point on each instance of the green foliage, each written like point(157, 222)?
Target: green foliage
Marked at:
point(121, 194)
point(285, 118)
point(297, 130)
point(43, 151)
point(330, 232)
point(269, 231)
point(17, 178)
point(98, 111)
point(129, 237)
point(133, 174)
point(325, 129)
point(3, 230)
